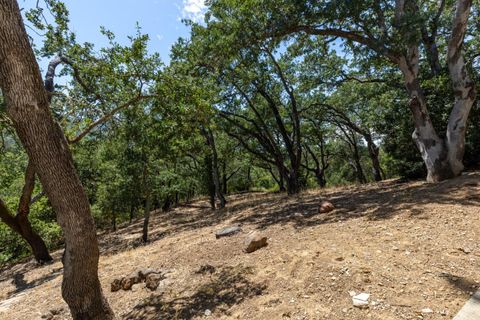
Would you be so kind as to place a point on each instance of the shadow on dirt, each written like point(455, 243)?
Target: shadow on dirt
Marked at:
point(468, 286)
point(374, 201)
point(22, 285)
point(225, 288)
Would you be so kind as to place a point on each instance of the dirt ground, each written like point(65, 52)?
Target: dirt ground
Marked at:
point(411, 246)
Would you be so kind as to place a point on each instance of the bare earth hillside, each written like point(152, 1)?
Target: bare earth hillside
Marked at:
point(411, 246)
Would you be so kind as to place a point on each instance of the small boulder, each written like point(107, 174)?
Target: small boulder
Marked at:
point(143, 273)
point(255, 241)
point(153, 280)
point(326, 207)
point(129, 281)
point(116, 285)
point(227, 232)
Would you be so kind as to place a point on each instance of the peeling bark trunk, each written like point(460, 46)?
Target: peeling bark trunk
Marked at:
point(431, 146)
point(28, 108)
point(442, 157)
point(463, 87)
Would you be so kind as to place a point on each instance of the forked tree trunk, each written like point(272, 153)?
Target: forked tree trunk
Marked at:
point(46, 146)
point(442, 156)
point(431, 146)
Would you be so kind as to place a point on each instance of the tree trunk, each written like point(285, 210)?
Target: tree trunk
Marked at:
point(356, 164)
point(21, 225)
point(443, 157)
point(215, 171)
point(225, 179)
point(320, 176)
point(28, 108)
point(373, 152)
point(167, 204)
point(281, 182)
point(293, 186)
point(431, 146)
point(39, 248)
point(209, 180)
point(146, 217)
point(132, 213)
point(463, 88)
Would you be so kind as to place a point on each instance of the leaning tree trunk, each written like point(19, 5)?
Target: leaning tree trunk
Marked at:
point(28, 107)
point(21, 225)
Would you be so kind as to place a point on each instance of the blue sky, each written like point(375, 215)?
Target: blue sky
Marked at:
point(161, 19)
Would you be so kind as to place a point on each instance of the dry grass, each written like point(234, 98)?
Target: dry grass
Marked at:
point(411, 246)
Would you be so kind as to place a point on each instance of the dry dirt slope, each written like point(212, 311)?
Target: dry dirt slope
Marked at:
point(411, 246)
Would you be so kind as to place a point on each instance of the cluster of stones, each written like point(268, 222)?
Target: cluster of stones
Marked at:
point(151, 278)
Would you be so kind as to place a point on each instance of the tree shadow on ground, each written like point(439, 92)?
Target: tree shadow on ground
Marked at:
point(22, 285)
point(464, 284)
point(374, 201)
point(227, 287)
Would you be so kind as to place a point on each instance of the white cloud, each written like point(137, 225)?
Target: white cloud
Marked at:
point(194, 9)
point(159, 37)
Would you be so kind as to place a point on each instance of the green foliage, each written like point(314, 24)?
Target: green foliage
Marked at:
point(256, 76)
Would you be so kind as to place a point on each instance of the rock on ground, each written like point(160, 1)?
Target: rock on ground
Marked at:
point(325, 207)
point(227, 232)
point(255, 241)
point(129, 281)
point(153, 280)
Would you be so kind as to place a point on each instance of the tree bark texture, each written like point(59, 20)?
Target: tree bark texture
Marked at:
point(28, 107)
